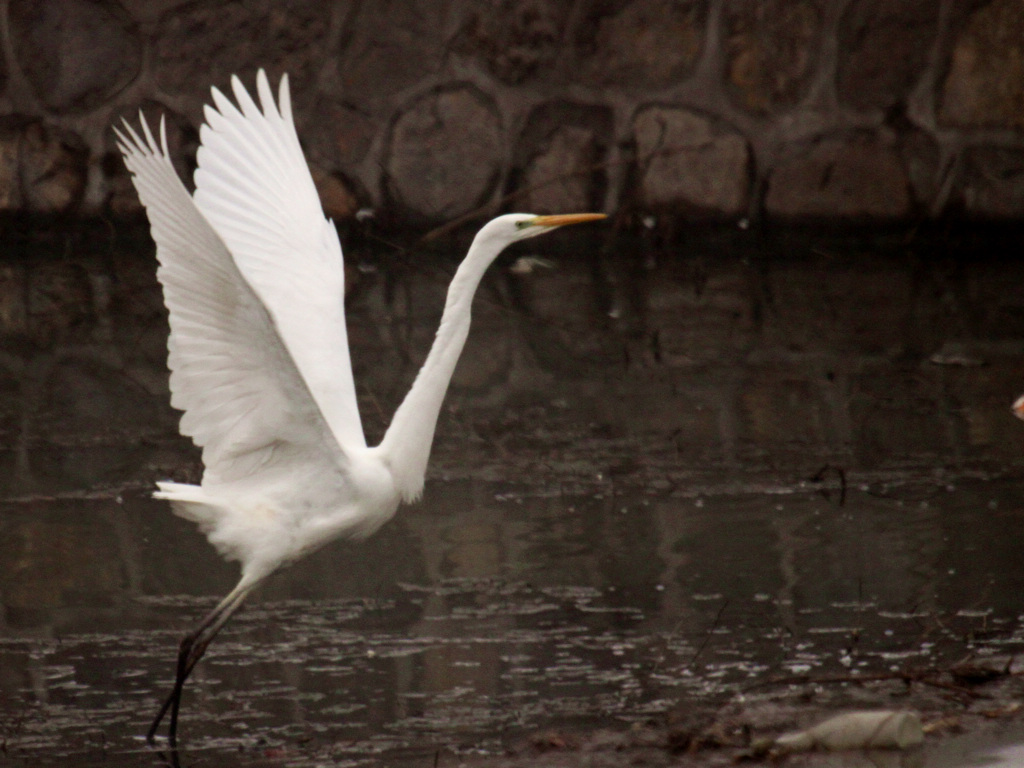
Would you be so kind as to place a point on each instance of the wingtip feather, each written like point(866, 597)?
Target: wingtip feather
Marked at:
point(284, 99)
point(270, 108)
point(121, 139)
point(244, 99)
point(150, 141)
point(221, 103)
point(135, 144)
point(163, 136)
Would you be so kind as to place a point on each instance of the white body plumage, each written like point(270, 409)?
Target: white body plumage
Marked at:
point(253, 280)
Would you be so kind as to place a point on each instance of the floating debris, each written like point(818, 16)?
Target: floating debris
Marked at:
point(881, 729)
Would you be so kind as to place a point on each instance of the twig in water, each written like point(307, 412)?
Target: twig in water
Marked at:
point(707, 637)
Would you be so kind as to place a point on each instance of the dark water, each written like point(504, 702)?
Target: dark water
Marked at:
point(660, 479)
point(489, 610)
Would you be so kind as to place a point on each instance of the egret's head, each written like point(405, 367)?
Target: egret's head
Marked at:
point(519, 226)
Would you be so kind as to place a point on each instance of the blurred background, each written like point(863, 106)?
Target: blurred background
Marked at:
point(787, 110)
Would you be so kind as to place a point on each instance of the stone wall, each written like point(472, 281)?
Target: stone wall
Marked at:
point(787, 110)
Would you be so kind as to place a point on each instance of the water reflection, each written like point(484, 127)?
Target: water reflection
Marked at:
point(488, 610)
point(627, 509)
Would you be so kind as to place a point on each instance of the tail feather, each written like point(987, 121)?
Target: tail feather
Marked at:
point(192, 503)
point(252, 539)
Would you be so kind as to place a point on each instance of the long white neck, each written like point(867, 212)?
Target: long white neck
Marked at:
point(406, 445)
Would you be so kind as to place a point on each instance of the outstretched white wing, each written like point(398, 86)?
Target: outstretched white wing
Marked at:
point(245, 403)
point(254, 187)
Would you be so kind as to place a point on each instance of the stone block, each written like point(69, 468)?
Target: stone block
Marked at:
point(856, 177)
point(54, 165)
point(640, 44)
point(444, 154)
point(559, 159)
point(42, 168)
point(691, 163)
point(883, 50)
point(992, 182)
point(203, 44)
point(516, 41)
point(58, 298)
point(75, 54)
point(772, 47)
point(985, 82)
point(393, 45)
point(10, 153)
point(921, 156)
point(338, 135)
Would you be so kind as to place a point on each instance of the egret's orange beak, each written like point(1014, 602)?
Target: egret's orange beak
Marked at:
point(563, 219)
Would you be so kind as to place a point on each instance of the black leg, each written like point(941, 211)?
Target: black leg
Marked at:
point(184, 653)
point(151, 734)
point(187, 660)
point(191, 650)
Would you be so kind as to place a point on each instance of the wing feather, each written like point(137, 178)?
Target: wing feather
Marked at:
point(245, 403)
point(254, 187)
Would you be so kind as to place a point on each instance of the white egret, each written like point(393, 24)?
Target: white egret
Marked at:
point(253, 280)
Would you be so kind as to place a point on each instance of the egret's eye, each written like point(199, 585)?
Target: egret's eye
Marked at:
point(522, 224)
